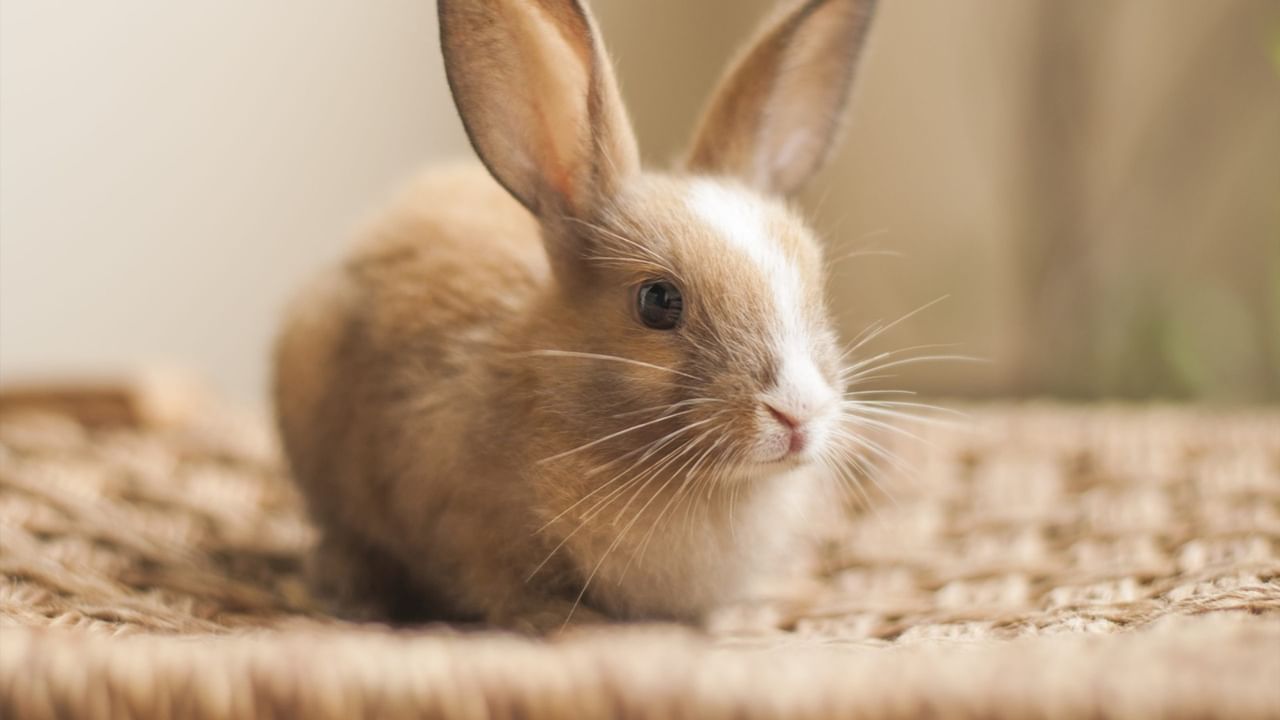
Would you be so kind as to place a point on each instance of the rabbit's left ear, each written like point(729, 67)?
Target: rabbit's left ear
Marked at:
point(538, 100)
point(772, 121)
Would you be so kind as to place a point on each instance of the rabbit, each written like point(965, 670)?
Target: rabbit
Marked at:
point(556, 387)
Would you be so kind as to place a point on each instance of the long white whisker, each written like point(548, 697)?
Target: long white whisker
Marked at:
point(861, 249)
point(611, 358)
point(648, 450)
point(878, 392)
point(672, 406)
point(710, 478)
point(605, 501)
point(613, 435)
point(681, 470)
point(915, 405)
point(885, 328)
point(587, 518)
point(864, 409)
point(648, 253)
point(869, 467)
point(649, 453)
point(913, 361)
point(618, 539)
point(871, 422)
point(874, 359)
point(851, 481)
point(871, 445)
point(660, 467)
point(691, 474)
point(864, 253)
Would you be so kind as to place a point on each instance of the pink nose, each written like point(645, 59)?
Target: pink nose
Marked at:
point(794, 426)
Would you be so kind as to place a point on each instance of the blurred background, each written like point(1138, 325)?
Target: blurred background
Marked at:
point(1094, 185)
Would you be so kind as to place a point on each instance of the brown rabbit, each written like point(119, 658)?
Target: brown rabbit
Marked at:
point(585, 389)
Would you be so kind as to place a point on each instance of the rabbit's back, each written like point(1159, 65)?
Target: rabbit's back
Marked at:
point(453, 254)
point(391, 342)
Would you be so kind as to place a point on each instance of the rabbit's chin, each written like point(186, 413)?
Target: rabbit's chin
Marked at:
point(773, 458)
point(764, 470)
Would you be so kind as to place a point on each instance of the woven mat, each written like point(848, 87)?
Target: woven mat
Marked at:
point(1031, 560)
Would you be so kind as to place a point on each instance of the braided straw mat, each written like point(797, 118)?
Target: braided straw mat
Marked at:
point(1031, 561)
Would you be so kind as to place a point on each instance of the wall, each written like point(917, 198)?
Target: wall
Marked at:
point(1094, 186)
point(171, 170)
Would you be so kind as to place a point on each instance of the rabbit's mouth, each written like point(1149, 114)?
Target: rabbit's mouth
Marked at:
point(764, 470)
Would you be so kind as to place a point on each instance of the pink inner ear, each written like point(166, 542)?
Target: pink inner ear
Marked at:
point(538, 99)
point(557, 173)
point(556, 80)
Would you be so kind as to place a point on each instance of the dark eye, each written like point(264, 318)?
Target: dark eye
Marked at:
point(659, 304)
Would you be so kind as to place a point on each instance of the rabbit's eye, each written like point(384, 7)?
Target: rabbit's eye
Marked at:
point(659, 304)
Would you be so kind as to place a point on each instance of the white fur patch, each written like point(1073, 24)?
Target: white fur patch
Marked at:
point(738, 218)
point(802, 391)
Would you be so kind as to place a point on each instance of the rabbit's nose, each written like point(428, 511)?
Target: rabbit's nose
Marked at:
point(795, 427)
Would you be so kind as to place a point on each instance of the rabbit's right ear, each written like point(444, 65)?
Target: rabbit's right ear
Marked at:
point(774, 118)
point(539, 101)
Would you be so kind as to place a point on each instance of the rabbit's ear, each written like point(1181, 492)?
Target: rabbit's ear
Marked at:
point(538, 99)
point(774, 117)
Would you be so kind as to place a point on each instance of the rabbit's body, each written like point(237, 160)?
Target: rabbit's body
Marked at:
point(485, 423)
point(379, 381)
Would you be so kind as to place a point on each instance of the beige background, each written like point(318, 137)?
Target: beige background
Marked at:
point(1095, 185)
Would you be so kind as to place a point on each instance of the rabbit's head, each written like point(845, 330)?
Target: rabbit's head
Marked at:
point(686, 321)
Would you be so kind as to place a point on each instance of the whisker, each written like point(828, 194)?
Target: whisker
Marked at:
point(872, 360)
point(692, 473)
point(613, 435)
point(858, 408)
point(860, 341)
point(640, 247)
point(879, 392)
point(649, 453)
point(611, 358)
point(864, 379)
point(872, 473)
point(603, 502)
point(916, 360)
point(916, 405)
point(872, 446)
point(682, 403)
point(851, 481)
point(697, 459)
point(649, 449)
point(710, 479)
point(734, 491)
point(587, 518)
point(860, 445)
point(864, 253)
point(871, 422)
point(621, 534)
point(663, 464)
point(871, 235)
point(624, 261)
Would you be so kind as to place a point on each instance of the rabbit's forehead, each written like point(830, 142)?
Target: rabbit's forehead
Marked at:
point(764, 290)
point(741, 226)
point(761, 250)
point(748, 262)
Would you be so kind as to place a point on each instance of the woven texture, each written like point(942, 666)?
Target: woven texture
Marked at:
point(1027, 560)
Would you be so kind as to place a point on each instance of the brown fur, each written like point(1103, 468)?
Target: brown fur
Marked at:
point(454, 464)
